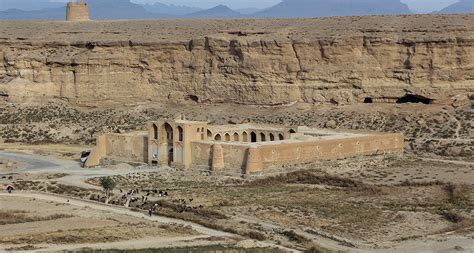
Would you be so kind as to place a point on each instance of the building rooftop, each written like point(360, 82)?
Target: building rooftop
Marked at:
point(242, 127)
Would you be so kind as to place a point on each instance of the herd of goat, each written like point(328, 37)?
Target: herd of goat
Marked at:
point(141, 199)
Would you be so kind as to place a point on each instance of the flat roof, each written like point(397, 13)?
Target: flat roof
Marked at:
point(185, 121)
point(243, 127)
point(138, 133)
point(304, 134)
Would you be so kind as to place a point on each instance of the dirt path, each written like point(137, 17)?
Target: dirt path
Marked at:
point(118, 210)
point(206, 232)
point(449, 161)
point(146, 243)
point(77, 176)
point(325, 242)
point(433, 243)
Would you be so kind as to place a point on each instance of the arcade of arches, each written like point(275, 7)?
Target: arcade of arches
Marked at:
point(244, 136)
point(237, 149)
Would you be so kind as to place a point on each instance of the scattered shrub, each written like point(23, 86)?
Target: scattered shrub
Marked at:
point(294, 237)
point(453, 216)
point(458, 193)
point(313, 248)
point(306, 177)
point(256, 235)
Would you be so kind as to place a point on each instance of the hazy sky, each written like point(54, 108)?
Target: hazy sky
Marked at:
point(428, 5)
point(416, 5)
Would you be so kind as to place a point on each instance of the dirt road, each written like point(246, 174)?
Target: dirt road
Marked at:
point(117, 209)
point(76, 176)
point(133, 244)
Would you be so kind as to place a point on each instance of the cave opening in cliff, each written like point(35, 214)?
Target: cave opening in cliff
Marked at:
point(409, 98)
point(90, 46)
point(368, 101)
point(192, 98)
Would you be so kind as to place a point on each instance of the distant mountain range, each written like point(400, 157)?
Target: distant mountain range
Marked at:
point(248, 11)
point(174, 10)
point(98, 9)
point(28, 5)
point(220, 11)
point(124, 9)
point(463, 6)
point(322, 8)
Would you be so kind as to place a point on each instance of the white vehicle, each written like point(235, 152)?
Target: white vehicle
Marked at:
point(84, 156)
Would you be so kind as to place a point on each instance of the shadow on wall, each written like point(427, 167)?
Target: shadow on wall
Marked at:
point(244, 163)
point(145, 150)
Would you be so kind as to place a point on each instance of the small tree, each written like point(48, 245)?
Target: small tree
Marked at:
point(108, 184)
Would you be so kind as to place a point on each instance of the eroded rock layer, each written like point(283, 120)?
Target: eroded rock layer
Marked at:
point(266, 62)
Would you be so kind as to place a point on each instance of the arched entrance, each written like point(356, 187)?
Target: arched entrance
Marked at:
point(253, 137)
point(178, 151)
point(154, 147)
point(167, 143)
point(155, 132)
point(209, 135)
point(180, 133)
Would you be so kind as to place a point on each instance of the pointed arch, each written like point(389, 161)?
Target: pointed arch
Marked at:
point(166, 142)
point(227, 137)
point(263, 137)
point(236, 137)
point(155, 132)
point(272, 137)
point(168, 129)
point(245, 137)
point(180, 133)
point(253, 137)
point(280, 137)
point(218, 137)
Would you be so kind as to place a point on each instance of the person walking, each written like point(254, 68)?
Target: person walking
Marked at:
point(150, 212)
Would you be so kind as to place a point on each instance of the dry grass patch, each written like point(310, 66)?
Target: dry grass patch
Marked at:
point(96, 235)
point(460, 222)
point(314, 248)
point(27, 247)
point(459, 194)
point(20, 216)
point(306, 177)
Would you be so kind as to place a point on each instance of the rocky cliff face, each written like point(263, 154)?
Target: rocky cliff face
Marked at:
point(265, 62)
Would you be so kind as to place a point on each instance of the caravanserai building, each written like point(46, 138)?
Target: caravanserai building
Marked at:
point(237, 149)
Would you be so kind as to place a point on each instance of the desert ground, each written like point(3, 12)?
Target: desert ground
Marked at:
point(31, 222)
point(152, 31)
point(420, 201)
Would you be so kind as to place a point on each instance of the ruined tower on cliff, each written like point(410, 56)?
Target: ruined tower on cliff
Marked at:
point(77, 11)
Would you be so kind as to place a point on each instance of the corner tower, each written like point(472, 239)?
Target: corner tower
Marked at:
point(77, 11)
